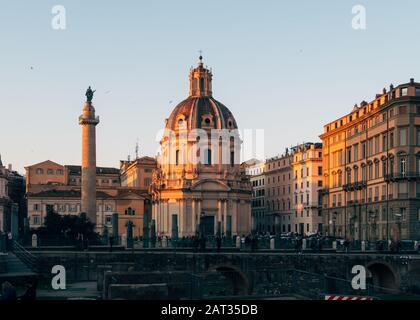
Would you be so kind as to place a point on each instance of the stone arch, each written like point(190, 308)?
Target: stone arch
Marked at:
point(237, 279)
point(383, 275)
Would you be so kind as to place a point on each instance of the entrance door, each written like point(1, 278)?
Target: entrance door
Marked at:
point(207, 225)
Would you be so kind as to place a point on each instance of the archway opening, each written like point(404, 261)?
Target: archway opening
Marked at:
point(382, 277)
point(225, 281)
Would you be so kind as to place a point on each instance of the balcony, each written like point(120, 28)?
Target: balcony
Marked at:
point(412, 176)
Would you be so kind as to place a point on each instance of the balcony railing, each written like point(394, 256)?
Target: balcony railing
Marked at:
point(402, 176)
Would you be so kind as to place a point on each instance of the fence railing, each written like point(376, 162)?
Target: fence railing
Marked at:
point(25, 256)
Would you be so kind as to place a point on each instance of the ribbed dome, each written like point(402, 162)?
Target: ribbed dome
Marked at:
point(203, 113)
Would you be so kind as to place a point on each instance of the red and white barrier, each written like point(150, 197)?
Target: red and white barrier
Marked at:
point(342, 298)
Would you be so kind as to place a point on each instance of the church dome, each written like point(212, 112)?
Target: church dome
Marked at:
point(200, 110)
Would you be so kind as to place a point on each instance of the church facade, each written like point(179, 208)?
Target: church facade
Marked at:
point(200, 186)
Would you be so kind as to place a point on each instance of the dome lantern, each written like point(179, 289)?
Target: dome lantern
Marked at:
point(200, 81)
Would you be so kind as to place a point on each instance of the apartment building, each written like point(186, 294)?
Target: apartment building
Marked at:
point(371, 162)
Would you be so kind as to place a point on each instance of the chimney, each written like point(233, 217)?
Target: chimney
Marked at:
point(412, 81)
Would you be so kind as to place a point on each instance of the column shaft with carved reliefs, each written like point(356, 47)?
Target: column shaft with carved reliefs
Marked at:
point(89, 121)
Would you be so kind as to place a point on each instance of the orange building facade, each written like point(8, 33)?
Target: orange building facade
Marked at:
point(50, 185)
point(371, 164)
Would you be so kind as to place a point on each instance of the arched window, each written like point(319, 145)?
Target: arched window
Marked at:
point(207, 157)
point(403, 166)
point(130, 212)
point(232, 158)
point(177, 157)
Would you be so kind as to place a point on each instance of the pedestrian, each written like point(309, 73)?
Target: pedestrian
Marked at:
point(218, 243)
point(9, 241)
point(8, 292)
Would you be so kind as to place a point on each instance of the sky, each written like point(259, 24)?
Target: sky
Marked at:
point(287, 67)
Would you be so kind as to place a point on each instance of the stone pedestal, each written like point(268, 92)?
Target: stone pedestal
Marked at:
point(34, 241)
point(238, 242)
point(124, 240)
point(100, 271)
point(272, 244)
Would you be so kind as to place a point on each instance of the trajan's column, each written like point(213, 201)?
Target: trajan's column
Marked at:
point(88, 121)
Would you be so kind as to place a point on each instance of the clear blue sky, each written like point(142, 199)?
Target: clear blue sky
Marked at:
point(284, 66)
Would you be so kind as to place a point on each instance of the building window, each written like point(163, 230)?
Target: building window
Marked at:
point(402, 110)
point(404, 92)
point(147, 182)
point(36, 220)
point(232, 158)
point(207, 157)
point(403, 166)
point(402, 136)
point(356, 152)
point(319, 171)
point(418, 136)
point(36, 207)
point(384, 142)
point(177, 157)
point(391, 139)
point(60, 172)
point(39, 171)
point(364, 149)
point(50, 171)
point(130, 212)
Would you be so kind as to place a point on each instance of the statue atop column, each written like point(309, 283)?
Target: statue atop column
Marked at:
point(89, 94)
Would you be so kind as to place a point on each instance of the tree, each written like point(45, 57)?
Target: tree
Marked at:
point(52, 222)
point(67, 225)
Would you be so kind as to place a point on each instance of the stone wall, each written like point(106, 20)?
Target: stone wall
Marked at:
point(249, 272)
